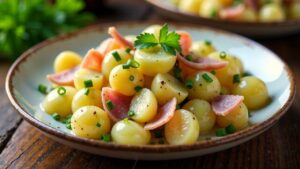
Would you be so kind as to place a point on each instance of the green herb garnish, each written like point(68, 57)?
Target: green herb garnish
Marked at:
point(169, 41)
point(61, 91)
point(105, 137)
point(87, 91)
point(221, 132)
point(42, 89)
point(207, 42)
point(213, 72)
point(128, 50)
point(98, 125)
point(88, 83)
point(223, 55)
point(246, 74)
point(131, 78)
point(116, 56)
point(131, 113)
point(189, 58)
point(230, 129)
point(213, 13)
point(236, 78)
point(207, 78)
point(109, 105)
point(189, 84)
point(56, 116)
point(138, 88)
point(131, 63)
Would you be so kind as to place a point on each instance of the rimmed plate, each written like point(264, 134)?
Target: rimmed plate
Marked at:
point(255, 29)
point(31, 68)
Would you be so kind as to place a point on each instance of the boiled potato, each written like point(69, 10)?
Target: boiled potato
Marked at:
point(153, 62)
point(66, 60)
point(183, 128)
point(202, 110)
point(294, 10)
point(59, 103)
point(248, 15)
point(90, 122)
point(190, 6)
point(144, 106)
point(237, 117)
point(271, 12)
point(202, 48)
point(153, 29)
point(86, 97)
point(129, 132)
point(165, 87)
point(110, 61)
point(210, 8)
point(205, 86)
point(254, 91)
point(225, 75)
point(126, 80)
point(83, 75)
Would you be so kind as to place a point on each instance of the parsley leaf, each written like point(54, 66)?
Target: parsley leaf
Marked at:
point(145, 40)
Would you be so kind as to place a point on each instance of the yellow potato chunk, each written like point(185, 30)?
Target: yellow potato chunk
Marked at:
point(271, 13)
point(202, 48)
point(210, 8)
point(202, 110)
point(66, 60)
point(205, 86)
point(113, 59)
point(248, 15)
point(153, 29)
point(90, 122)
point(153, 62)
point(144, 106)
point(237, 117)
point(183, 128)
point(165, 87)
point(57, 102)
point(126, 80)
point(254, 91)
point(190, 6)
point(83, 75)
point(129, 132)
point(225, 75)
point(86, 97)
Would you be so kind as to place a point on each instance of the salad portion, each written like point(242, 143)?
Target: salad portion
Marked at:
point(159, 87)
point(242, 10)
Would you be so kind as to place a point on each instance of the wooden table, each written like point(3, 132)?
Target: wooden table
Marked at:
point(23, 146)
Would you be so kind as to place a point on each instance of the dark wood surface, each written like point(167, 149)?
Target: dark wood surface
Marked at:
point(23, 146)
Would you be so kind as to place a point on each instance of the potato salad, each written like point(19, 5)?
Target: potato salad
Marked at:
point(158, 87)
point(242, 10)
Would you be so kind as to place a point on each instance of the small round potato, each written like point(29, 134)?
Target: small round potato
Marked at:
point(183, 128)
point(60, 104)
point(86, 97)
point(190, 6)
point(129, 132)
point(202, 48)
point(205, 116)
point(126, 80)
point(144, 106)
point(83, 75)
point(271, 12)
point(210, 8)
point(205, 86)
point(165, 87)
point(254, 91)
point(90, 122)
point(66, 60)
point(237, 117)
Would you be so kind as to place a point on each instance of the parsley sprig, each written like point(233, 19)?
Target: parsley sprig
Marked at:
point(169, 41)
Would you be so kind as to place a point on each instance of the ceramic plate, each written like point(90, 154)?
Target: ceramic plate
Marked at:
point(256, 29)
point(33, 66)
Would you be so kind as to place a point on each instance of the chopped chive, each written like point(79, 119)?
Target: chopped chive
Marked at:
point(236, 78)
point(214, 13)
point(158, 134)
point(207, 42)
point(189, 58)
point(98, 125)
point(88, 83)
point(87, 91)
point(68, 126)
point(223, 55)
point(116, 56)
point(125, 66)
point(221, 132)
point(109, 105)
point(61, 91)
point(207, 78)
point(67, 119)
point(189, 84)
point(247, 74)
point(105, 137)
point(42, 89)
point(133, 63)
point(56, 116)
point(213, 72)
point(249, 114)
point(230, 129)
point(131, 113)
point(177, 72)
point(131, 78)
point(128, 50)
point(138, 88)
point(126, 120)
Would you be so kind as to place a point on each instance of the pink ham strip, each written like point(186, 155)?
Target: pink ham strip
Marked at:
point(232, 12)
point(202, 63)
point(166, 112)
point(120, 103)
point(118, 37)
point(224, 104)
point(63, 78)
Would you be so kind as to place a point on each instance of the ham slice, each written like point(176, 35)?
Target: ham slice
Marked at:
point(202, 63)
point(232, 13)
point(92, 60)
point(224, 104)
point(120, 102)
point(63, 78)
point(185, 42)
point(165, 113)
point(108, 45)
point(119, 38)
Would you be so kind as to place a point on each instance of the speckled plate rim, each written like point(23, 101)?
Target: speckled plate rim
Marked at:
point(174, 10)
point(145, 148)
